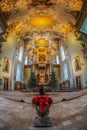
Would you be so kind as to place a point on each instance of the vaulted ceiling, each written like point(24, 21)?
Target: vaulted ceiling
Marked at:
point(31, 22)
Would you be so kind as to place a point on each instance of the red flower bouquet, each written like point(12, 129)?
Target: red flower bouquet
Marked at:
point(43, 102)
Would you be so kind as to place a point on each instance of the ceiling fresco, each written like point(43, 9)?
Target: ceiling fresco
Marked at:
point(23, 14)
point(31, 22)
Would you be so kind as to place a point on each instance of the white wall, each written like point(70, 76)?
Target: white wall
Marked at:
point(27, 73)
point(75, 49)
point(8, 50)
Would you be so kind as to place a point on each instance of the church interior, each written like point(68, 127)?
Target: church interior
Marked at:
point(40, 36)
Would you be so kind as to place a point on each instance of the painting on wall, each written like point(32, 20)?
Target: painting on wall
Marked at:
point(42, 58)
point(41, 49)
point(76, 63)
point(6, 65)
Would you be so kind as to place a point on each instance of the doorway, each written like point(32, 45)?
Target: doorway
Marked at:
point(6, 83)
point(78, 82)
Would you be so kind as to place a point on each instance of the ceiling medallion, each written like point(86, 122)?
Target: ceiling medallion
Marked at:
point(41, 21)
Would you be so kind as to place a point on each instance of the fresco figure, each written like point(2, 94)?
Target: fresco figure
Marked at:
point(6, 64)
point(77, 63)
point(42, 58)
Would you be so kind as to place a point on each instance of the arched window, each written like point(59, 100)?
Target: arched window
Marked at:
point(21, 54)
point(18, 73)
point(26, 60)
point(62, 53)
point(65, 71)
point(57, 60)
